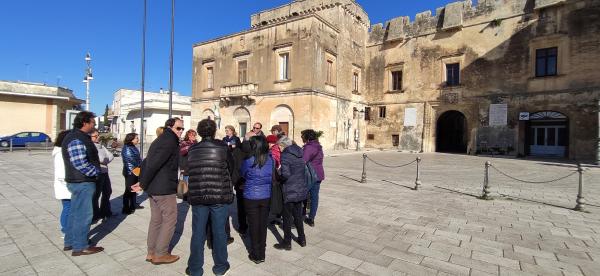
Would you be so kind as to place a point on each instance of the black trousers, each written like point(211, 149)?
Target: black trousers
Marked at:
point(292, 212)
point(257, 212)
point(104, 189)
point(241, 211)
point(129, 197)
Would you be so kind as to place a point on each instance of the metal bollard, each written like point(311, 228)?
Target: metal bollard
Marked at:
point(418, 180)
point(10, 144)
point(363, 178)
point(46, 144)
point(580, 200)
point(486, 181)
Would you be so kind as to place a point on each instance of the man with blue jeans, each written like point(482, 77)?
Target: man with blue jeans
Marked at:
point(210, 191)
point(82, 167)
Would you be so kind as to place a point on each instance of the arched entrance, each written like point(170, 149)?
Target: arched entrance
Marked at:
point(208, 114)
point(451, 132)
point(242, 116)
point(282, 115)
point(547, 134)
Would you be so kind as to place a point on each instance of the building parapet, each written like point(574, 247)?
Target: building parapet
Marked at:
point(451, 17)
point(40, 90)
point(239, 90)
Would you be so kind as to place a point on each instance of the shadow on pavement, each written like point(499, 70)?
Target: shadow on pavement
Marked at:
point(347, 177)
point(182, 210)
point(109, 225)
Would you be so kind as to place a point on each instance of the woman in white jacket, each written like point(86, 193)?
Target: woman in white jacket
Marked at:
point(60, 186)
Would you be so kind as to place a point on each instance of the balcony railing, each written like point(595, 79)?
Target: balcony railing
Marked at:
point(239, 90)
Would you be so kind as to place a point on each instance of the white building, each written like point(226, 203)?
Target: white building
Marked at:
point(126, 108)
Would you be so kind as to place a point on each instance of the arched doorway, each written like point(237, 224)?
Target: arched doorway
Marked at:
point(242, 116)
point(282, 115)
point(208, 114)
point(547, 134)
point(451, 132)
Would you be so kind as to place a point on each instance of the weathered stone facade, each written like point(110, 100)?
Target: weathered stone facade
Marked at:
point(454, 81)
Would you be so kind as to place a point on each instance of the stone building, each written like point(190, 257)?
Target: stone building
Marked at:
point(126, 112)
point(512, 76)
point(27, 106)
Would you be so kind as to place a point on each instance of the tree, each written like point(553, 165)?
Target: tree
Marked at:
point(105, 120)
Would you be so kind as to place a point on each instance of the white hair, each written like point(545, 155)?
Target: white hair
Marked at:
point(285, 141)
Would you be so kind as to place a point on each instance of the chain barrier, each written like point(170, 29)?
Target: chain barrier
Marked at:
point(388, 166)
point(580, 202)
point(532, 182)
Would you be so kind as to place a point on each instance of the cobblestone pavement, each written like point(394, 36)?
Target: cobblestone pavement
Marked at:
point(381, 227)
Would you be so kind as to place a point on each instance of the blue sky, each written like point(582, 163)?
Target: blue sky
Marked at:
point(46, 40)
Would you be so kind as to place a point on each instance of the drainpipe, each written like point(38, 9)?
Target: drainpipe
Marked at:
point(598, 138)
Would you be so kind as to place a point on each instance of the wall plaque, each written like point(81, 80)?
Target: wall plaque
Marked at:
point(498, 114)
point(410, 116)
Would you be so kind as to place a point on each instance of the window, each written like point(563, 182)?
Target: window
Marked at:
point(22, 135)
point(35, 134)
point(355, 82)
point(396, 80)
point(242, 71)
point(330, 72)
point(382, 112)
point(546, 62)
point(209, 78)
point(370, 136)
point(367, 113)
point(284, 66)
point(452, 74)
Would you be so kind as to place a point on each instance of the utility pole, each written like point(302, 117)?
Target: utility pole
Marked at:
point(143, 78)
point(171, 59)
point(87, 79)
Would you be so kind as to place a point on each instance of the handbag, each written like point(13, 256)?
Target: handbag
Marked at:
point(182, 188)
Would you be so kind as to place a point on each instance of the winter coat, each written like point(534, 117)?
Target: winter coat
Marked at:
point(231, 141)
point(210, 164)
point(184, 148)
point(160, 168)
point(258, 180)
point(131, 159)
point(293, 175)
point(276, 153)
point(60, 185)
point(313, 152)
point(105, 157)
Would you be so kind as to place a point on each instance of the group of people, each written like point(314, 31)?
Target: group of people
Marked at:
point(266, 175)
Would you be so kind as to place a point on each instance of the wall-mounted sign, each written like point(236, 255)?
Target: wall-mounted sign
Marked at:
point(498, 114)
point(410, 116)
point(523, 116)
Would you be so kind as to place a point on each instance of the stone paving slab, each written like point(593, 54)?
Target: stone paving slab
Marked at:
point(381, 227)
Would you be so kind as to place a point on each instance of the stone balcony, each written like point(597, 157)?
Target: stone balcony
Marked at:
point(239, 90)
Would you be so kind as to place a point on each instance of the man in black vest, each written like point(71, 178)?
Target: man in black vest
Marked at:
point(210, 193)
point(159, 179)
point(82, 167)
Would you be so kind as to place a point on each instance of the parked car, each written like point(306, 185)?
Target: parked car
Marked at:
point(22, 138)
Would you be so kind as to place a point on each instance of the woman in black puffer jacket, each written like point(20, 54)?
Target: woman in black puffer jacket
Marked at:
point(294, 191)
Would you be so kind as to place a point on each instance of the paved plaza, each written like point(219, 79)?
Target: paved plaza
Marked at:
point(381, 227)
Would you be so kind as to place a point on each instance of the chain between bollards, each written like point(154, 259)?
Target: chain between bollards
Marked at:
point(486, 181)
point(418, 180)
point(363, 178)
point(580, 206)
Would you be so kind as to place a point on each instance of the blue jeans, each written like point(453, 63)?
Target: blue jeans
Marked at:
point(64, 215)
point(80, 215)
point(218, 214)
point(314, 199)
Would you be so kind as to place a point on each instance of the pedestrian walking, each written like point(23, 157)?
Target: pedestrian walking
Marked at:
point(82, 167)
point(102, 209)
point(293, 180)
point(210, 194)
point(131, 160)
point(313, 154)
point(61, 192)
point(257, 170)
point(159, 179)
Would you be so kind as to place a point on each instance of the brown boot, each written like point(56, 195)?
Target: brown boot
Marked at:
point(165, 259)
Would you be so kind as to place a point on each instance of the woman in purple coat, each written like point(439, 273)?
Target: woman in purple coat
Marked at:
point(313, 154)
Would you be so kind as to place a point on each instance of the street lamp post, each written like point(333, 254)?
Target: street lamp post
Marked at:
point(359, 115)
point(86, 79)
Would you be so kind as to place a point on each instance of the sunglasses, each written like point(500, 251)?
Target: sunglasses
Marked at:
point(180, 128)
point(256, 127)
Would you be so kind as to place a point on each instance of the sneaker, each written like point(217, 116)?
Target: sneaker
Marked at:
point(230, 240)
point(310, 222)
point(302, 243)
point(283, 246)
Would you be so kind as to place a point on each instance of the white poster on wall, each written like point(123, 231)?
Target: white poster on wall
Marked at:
point(410, 116)
point(498, 114)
